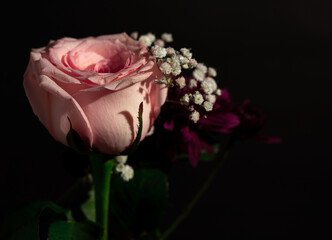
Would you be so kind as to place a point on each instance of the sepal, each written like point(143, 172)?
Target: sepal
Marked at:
point(75, 141)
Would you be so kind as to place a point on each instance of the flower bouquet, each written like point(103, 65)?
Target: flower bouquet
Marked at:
point(128, 108)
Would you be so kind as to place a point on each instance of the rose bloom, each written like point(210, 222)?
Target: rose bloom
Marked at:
point(99, 84)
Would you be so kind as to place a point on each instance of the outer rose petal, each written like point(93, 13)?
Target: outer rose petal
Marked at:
point(37, 97)
point(113, 114)
point(62, 106)
point(53, 105)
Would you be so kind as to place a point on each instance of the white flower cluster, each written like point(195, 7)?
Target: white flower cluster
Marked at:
point(127, 172)
point(200, 90)
point(170, 62)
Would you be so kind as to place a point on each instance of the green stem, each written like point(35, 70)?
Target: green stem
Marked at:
point(102, 172)
point(221, 156)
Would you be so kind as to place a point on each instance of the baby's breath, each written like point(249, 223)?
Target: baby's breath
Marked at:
point(145, 40)
point(170, 51)
point(201, 67)
point(207, 106)
point(159, 43)
point(198, 74)
point(181, 82)
point(197, 88)
point(192, 83)
point(198, 98)
point(158, 52)
point(167, 37)
point(192, 63)
point(185, 99)
point(165, 68)
point(186, 52)
point(212, 72)
point(218, 92)
point(194, 116)
point(211, 98)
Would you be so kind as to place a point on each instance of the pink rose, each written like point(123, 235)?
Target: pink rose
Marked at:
point(99, 84)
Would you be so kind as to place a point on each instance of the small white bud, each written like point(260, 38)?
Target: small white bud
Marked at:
point(119, 167)
point(183, 60)
point(212, 82)
point(208, 106)
point(198, 75)
point(166, 68)
point(212, 72)
point(181, 82)
point(218, 92)
point(186, 52)
point(211, 98)
point(185, 66)
point(206, 87)
point(175, 63)
point(176, 70)
point(198, 98)
point(175, 59)
point(170, 51)
point(145, 40)
point(192, 83)
point(167, 37)
point(192, 63)
point(159, 43)
point(194, 116)
point(191, 108)
point(185, 100)
point(209, 85)
point(201, 67)
point(151, 36)
point(134, 35)
point(127, 173)
point(158, 52)
point(121, 159)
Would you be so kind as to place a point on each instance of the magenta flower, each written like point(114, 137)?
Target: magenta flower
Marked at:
point(222, 119)
point(176, 133)
point(192, 145)
point(241, 120)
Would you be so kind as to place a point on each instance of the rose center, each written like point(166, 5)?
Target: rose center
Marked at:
point(93, 62)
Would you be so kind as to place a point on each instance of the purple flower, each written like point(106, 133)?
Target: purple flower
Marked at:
point(192, 145)
point(222, 118)
point(176, 133)
point(241, 120)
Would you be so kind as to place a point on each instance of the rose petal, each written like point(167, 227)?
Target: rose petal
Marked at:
point(113, 116)
point(60, 106)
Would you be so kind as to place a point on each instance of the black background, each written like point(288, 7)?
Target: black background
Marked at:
point(276, 53)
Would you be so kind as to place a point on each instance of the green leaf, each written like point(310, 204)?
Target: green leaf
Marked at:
point(67, 230)
point(139, 204)
point(75, 141)
point(137, 140)
point(88, 207)
point(31, 221)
